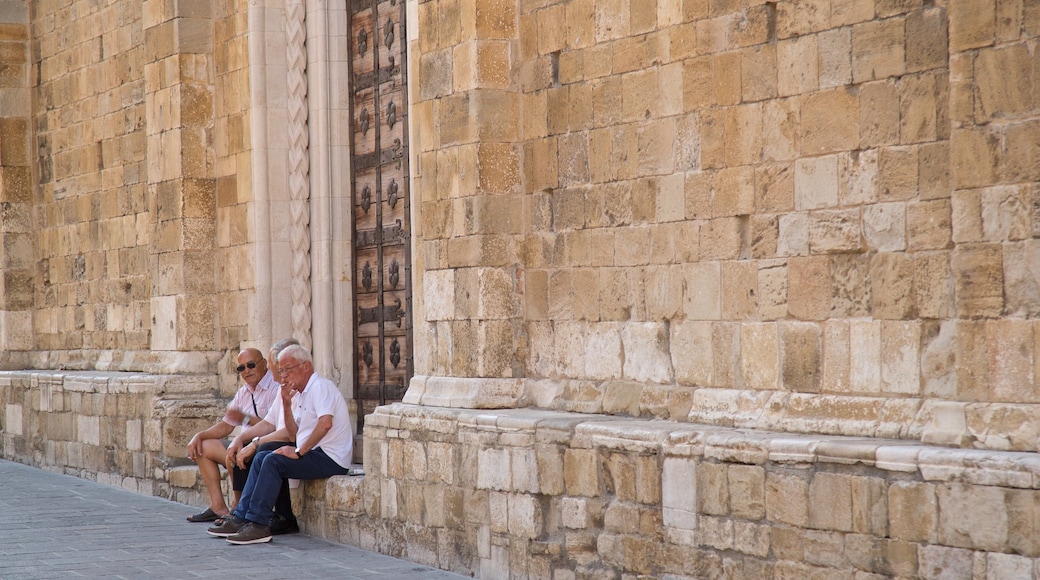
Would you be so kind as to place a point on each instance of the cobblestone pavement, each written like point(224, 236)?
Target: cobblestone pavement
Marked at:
point(58, 526)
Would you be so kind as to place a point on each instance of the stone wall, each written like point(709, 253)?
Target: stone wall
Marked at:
point(800, 216)
point(123, 429)
point(552, 495)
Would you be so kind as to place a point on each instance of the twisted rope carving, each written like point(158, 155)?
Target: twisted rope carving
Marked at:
point(299, 165)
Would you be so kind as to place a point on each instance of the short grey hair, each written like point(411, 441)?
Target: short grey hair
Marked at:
point(281, 345)
point(296, 352)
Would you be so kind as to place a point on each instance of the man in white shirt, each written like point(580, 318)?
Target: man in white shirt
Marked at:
point(317, 418)
point(206, 448)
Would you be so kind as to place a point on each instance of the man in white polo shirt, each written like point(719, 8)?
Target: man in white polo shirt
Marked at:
point(317, 418)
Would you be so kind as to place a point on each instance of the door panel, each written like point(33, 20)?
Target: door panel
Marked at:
point(381, 227)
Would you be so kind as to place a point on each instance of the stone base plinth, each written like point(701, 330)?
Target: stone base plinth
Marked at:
point(547, 494)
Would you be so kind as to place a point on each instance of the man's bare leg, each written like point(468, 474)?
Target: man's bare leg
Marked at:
point(213, 454)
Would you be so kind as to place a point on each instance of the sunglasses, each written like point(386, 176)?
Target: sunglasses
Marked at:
point(249, 364)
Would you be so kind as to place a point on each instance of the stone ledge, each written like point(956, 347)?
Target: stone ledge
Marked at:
point(990, 425)
point(930, 463)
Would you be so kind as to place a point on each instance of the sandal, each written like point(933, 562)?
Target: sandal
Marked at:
point(207, 516)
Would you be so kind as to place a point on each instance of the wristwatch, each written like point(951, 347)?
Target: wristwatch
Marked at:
point(298, 452)
point(255, 441)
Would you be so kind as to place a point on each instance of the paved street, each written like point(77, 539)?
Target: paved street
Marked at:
point(57, 526)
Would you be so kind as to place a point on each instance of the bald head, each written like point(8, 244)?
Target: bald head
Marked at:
point(251, 366)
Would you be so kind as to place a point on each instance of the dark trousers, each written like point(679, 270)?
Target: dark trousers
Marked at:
point(282, 505)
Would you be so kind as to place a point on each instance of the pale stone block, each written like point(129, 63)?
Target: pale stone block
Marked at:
point(679, 493)
point(865, 341)
point(13, 419)
point(715, 532)
point(603, 349)
point(913, 511)
point(164, 329)
point(772, 291)
point(691, 352)
point(797, 65)
point(498, 511)
point(1022, 278)
point(793, 239)
point(439, 294)
point(943, 563)
point(979, 288)
point(493, 469)
point(16, 331)
point(787, 497)
point(810, 292)
point(664, 292)
point(835, 231)
point(747, 491)
point(830, 502)
point(900, 357)
point(581, 472)
point(878, 50)
point(525, 517)
point(574, 512)
point(739, 289)
point(816, 182)
point(972, 516)
point(134, 435)
point(186, 476)
point(760, 357)
point(835, 57)
point(827, 122)
point(1011, 346)
point(88, 429)
point(884, 226)
point(1006, 214)
point(703, 298)
point(647, 358)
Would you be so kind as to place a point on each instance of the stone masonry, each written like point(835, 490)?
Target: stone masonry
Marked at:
point(704, 288)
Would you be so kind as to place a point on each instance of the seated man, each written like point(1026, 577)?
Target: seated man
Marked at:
point(267, 435)
point(251, 402)
point(317, 418)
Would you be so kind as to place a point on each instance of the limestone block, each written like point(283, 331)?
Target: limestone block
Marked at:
point(801, 356)
point(888, 558)
point(733, 189)
point(182, 476)
point(646, 357)
point(836, 231)
point(1022, 160)
point(830, 502)
point(781, 139)
point(725, 72)
point(885, 226)
point(878, 50)
point(972, 25)
point(919, 96)
point(757, 73)
point(974, 157)
point(897, 169)
point(759, 355)
point(746, 485)
point(972, 516)
point(702, 299)
point(664, 292)
point(929, 225)
point(581, 472)
point(691, 351)
point(977, 272)
point(722, 238)
point(900, 357)
point(797, 65)
point(711, 481)
point(793, 235)
point(787, 497)
point(1021, 271)
point(934, 170)
point(879, 114)
point(966, 210)
point(827, 120)
point(809, 288)
point(926, 40)
point(892, 292)
point(865, 342)
point(816, 182)
point(1006, 214)
point(13, 419)
point(835, 50)
point(772, 291)
point(716, 533)
point(913, 511)
point(823, 548)
point(801, 17)
point(764, 235)
point(935, 562)
point(603, 348)
point(836, 356)
point(739, 289)
point(938, 360)
point(1011, 353)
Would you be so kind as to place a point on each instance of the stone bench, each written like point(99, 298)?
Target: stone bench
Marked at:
point(527, 492)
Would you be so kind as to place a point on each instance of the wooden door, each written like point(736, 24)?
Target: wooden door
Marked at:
point(381, 201)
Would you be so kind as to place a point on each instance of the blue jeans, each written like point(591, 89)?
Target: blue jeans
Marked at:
point(266, 474)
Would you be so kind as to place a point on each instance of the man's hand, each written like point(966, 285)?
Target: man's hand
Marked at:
point(287, 451)
point(195, 447)
point(245, 455)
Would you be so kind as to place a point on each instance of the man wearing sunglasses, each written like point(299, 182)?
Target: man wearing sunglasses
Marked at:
point(207, 448)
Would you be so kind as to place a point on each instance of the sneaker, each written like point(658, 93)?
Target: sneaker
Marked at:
point(230, 526)
point(284, 525)
point(251, 534)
